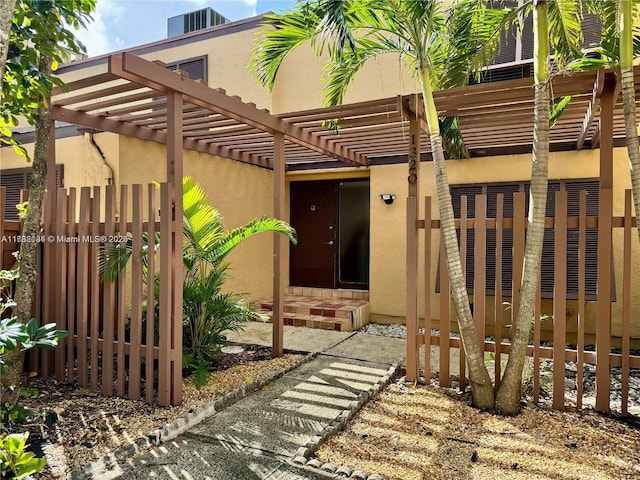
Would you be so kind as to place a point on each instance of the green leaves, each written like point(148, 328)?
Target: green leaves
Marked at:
point(45, 336)
point(565, 30)
point(39, 30)
point(12, 333)
point(557, 107)
point(449, 44)
point(15, 461)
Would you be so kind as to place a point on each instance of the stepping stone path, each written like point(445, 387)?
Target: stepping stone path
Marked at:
point(258, 436)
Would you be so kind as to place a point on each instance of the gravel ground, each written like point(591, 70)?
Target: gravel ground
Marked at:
point(546, 366)
point(425, 432)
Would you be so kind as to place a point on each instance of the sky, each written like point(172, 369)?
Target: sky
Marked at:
point(120, 24)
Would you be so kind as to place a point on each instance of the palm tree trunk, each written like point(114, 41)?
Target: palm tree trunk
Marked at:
point(510, 390)
point(629, 99)
point(481, 387)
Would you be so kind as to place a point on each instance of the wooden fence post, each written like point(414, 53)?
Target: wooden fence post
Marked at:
point(559, 298)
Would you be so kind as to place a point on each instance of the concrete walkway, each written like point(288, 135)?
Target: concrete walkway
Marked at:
point(258, 436)
point(355, 345)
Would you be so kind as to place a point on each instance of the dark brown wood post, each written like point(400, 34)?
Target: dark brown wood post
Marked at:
point(174, 179)
point(412, 246)
point(605, 213)
point(279, 245)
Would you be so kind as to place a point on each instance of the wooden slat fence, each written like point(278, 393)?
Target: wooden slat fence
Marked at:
point(620, 361)
point(119, 343)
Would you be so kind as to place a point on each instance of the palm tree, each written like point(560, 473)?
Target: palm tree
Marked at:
point(442, 49)
point(208, 311)
point(626, 10)
point(619, 44)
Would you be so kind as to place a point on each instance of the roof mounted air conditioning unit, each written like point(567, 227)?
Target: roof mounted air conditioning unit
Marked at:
point(190, 22)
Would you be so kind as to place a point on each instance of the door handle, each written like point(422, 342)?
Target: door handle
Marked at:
point(330, 242)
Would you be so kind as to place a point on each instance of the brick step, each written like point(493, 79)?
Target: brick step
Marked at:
point(332, 313)
point(328, 293)
point(313, 321)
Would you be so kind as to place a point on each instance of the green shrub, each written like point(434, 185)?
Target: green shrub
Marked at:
point(15, 462)
point(207, 311)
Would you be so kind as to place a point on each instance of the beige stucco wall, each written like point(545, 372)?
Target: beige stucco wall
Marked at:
point(240, 192)
point(83, 165)
point(298, 85)
point(387, 289)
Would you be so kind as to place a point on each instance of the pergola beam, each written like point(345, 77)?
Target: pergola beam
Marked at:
point(592, 109)
point(412, 108)
point(143, 133)
point(154, 76)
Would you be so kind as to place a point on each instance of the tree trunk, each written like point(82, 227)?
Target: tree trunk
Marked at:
point(629, 99)
point(510, 390)
point(481, 387)
point(25, 285)
point(6, 18)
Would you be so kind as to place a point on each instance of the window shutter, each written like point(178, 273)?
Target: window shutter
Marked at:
point(546, 268)
point(15, 180)
point(591, 255)
point(470, 191)
point(527, 38)
point(573, 189)
point(196, 68)
point(507, 235)
point(13, 183)
point(591, 28)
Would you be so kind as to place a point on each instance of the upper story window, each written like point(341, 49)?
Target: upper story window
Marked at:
point(195, 67)
point(514, 57)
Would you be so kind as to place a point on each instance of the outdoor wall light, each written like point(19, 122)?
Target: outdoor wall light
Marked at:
point(387, 198)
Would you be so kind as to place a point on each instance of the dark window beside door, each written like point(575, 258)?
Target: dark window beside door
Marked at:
point(573, 188)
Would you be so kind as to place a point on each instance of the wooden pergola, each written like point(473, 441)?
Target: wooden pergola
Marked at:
point(142, 99)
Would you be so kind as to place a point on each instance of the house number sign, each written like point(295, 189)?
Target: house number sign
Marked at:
point(413, 160)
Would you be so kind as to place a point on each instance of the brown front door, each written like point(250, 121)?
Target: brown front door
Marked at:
point(314, 215)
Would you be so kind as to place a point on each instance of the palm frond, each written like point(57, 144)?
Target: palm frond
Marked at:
point(342, 67)
point(202, 222)
point(557, 108)
point(473, 37)
point(113, 259)
point(335, 23)
point(587, 63)
point(606, 53)
point(565, 30)
point(236, 236)
point(284, 33)
point(452, 139)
